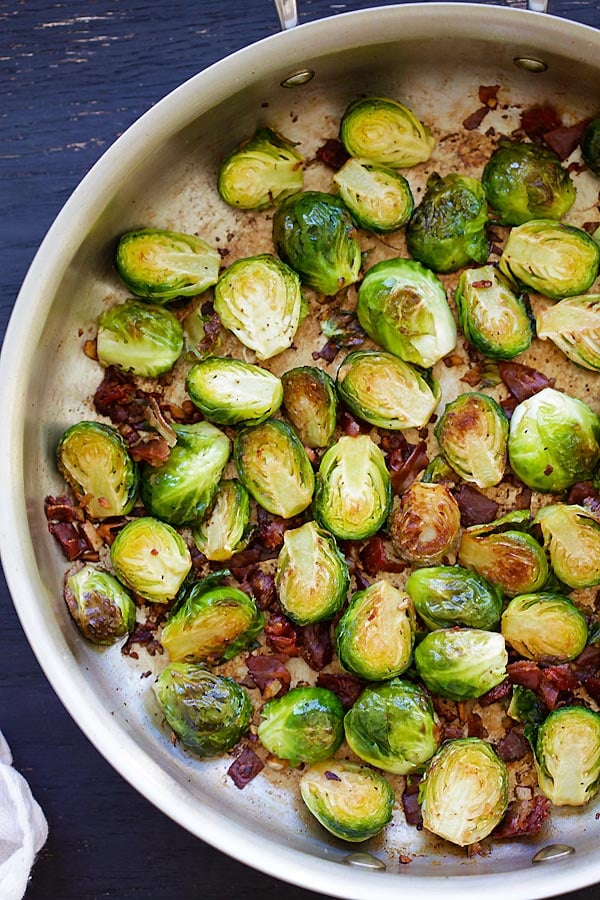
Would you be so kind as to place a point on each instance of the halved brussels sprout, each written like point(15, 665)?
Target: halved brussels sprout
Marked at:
point(374, 638)
point(226, 529)
point(353, 490)
point(590, 146)
point(445, 596)
point(493, 318)
point(207, 712)
point(93, 459)
point(139, 337)
point(448, 228)
point(385, 132)
point(472, 433)
point(511, 560)
point(312, 575)
point(261, 171)
point(572, 538)
point(99, 605)
point(310, 402)
point(182, 489)
point(259, 299)
point(464, 794)
point(314, 234)
point(551, 258)
point(151, 559)
point(306, 725)
point(229, 391)
point(393, 726)
point(545, 627)
point(161, 265)
point(352, 802)
point(272, 464)
point(526, 181)
point(461, 663)
point(403, 307)
point(567, 756)
point(379, 199)
point(426, 525)
point(574, 326)
point(554, 441)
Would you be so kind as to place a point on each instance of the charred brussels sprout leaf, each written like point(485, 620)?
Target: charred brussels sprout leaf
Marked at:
point(426, 525)
point(310, 402)
point(472, 433)
point(525, 707)
point(261, 171)
point(445, 596)
point(99, 605)
point(512, 560)
point(590, 146)
point(139, 337)
point(461, 663)
point(384, 132)
point(574, 326)
point(151, 559)
point(493, 318)
point(378, 198)
point(226, 529)
point(567, 756)
point(303, 726)
point(572, 538)
point(229, 391)
point(544, 627)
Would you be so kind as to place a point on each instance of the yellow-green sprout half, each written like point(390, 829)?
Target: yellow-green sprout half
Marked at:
point(567, 756)
point(385, 132)
point(151, 559)
point(493, 318)
point(546, 627)
point(261, 171)
point(472, 433)
point(378, 198)
point(572, 538)
point(226, 528)
point(574, 326)
point(229, 391)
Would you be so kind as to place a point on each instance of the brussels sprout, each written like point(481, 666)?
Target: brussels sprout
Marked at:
point(314, 234)
point(552, 258)
point(574, 326)
point(493, 318)
point(426, 525)
point(393, 726)
point(403, 307)
point(374, 638)
point(464, 794)
point(525, 181)
point(207, 712)
point(259, 299)
point(590, 146)
point(229, 391)
point(151, 559)
point(447, 229)
point(312, 576)
point(378, 198)
point(567, 756)
point(572, 538)
point(554, 441)
point(353, 491)
point(93, 459)
point(437, 472)
point(472, 433)
point(352, 802)
point(139, 337)
point(99, 605)
point(226, 529)
point(545, 627)
point(306, 725)
point(383, 131)
point(272, 464)
point(461, 663)
point(261, 171)
point(310, 402)
point(511, 560)
point(525, 706)
point(182, 489)
point(450, 595)
point(161, 265)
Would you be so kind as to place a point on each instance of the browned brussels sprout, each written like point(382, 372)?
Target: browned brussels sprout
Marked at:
point(99, 605)
point(426, 525)
point(472, 433)
point(310, 402)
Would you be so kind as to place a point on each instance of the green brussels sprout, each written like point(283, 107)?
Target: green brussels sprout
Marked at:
point(493, 318)
point(511, 560)
point(464, 794)
point(151, 559)
point(259, 299)
point(551, 258)
point(526, 181)
point(312, 575)
point(226, 529)
point(445, 596)
point(472, 433)
point(161, 265)
point(314, 234)
point(573, 325)
point(208, 713)
point(385, 391)
point(353, 802)
point(461, 663)
point(448, 228)
point(383, 131)
point(262, 170)
point(554, 441)
point(572, 537)
point(393, 726)
point(378, 199)
point(99, 605)
point(306, 725)
point(545, 627)
point(525, 706)
point(353, 491)
point(567, 756)
point(93, 459)
point(229, 391)
point(310, 402)
point(438, 471)
point(273, 466)
point(403, 307)
point(139, 337)
point(590, 146)
point(374, 638)
point(426, 525)
point(182, 489)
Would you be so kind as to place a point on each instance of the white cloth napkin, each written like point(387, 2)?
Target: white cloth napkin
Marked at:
point(23, 828)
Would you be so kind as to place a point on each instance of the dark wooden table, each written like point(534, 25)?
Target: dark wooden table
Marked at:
point(74, 74)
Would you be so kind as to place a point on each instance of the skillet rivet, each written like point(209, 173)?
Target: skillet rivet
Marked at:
point(530, 64)
point(298, 78)
point(552, 852)
point(363, 861)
